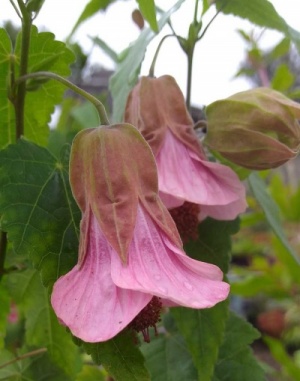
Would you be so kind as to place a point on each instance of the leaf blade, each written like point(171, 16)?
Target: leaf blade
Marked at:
point(38, 209)
point(127, 72)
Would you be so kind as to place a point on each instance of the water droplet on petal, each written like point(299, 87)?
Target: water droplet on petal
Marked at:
point(163, 290)
point(188, 286)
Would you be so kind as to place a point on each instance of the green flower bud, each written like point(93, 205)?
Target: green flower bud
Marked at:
point(256, 129)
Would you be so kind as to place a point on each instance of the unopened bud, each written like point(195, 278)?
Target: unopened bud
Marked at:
point(256, 129)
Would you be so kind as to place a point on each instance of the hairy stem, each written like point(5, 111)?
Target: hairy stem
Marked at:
point(26, 355)
point(45, 74)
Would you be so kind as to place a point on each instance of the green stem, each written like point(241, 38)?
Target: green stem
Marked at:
point(208, 25)
point(3, 246)
point(19, 103)
point(196, 11)
point(190, 56)
point(45, 74)
point(152, 67)
point(15, 8)
point(26, 355)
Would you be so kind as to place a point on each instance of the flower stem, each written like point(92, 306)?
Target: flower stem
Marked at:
point(21, 357)
point(190, 56)
point(45, 74)
point(152, 67)
point(19, 103)
point(196, 11)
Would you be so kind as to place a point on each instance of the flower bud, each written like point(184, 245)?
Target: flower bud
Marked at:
point(256, 129)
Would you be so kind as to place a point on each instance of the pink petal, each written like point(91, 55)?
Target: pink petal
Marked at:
point(158, 267)
point(183, 176)
point(88, 302)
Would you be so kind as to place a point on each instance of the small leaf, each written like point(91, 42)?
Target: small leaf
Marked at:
point(282, 48)
point(203, 332)
point(120, 357)
point(283, 78)
point(272, 214)
point(261, 13)
point(168, 359)
point(214, 242)
point(147, 8)
point(38, 209)
point(93, 7)
point(128, 70)
point(236, 361)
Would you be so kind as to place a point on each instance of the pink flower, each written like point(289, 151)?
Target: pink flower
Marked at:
point(157, 107)
point(130, 251)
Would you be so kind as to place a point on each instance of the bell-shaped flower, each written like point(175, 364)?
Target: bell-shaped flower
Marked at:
point(130, 253)
point(256, 129)
point(157, 108)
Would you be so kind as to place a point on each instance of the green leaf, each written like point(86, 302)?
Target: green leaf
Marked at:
point(203, 332)
point(284, 359)
point(120, 357)
point(42, 327)
point(44, 54)
point(4, 310)
point(6, 120)
point(106, 48)
point(252, 285)
point(93, 7)
point(282, 48)
point(38, 209)
point(128, 70)
point(214, 242)
point(283, 78)
point(168, 359)
point(272, 214)
point(147, 8)
point(236, 361)
point(34, 368)
point(86, 115)
point(261, 13)
point(91, 373)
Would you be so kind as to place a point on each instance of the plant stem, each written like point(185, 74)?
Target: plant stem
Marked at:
point(21, 357)
point(152, 67)
point(3, 246)
point(196, 11)
point(190, 56)
point(19, 103)
point(15, 8)
point(45, 74)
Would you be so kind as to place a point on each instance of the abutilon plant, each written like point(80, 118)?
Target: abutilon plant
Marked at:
point(131, 261)
point(190, 185)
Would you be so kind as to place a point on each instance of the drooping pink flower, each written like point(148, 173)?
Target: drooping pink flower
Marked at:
point(157, 108)
point(130, 252)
